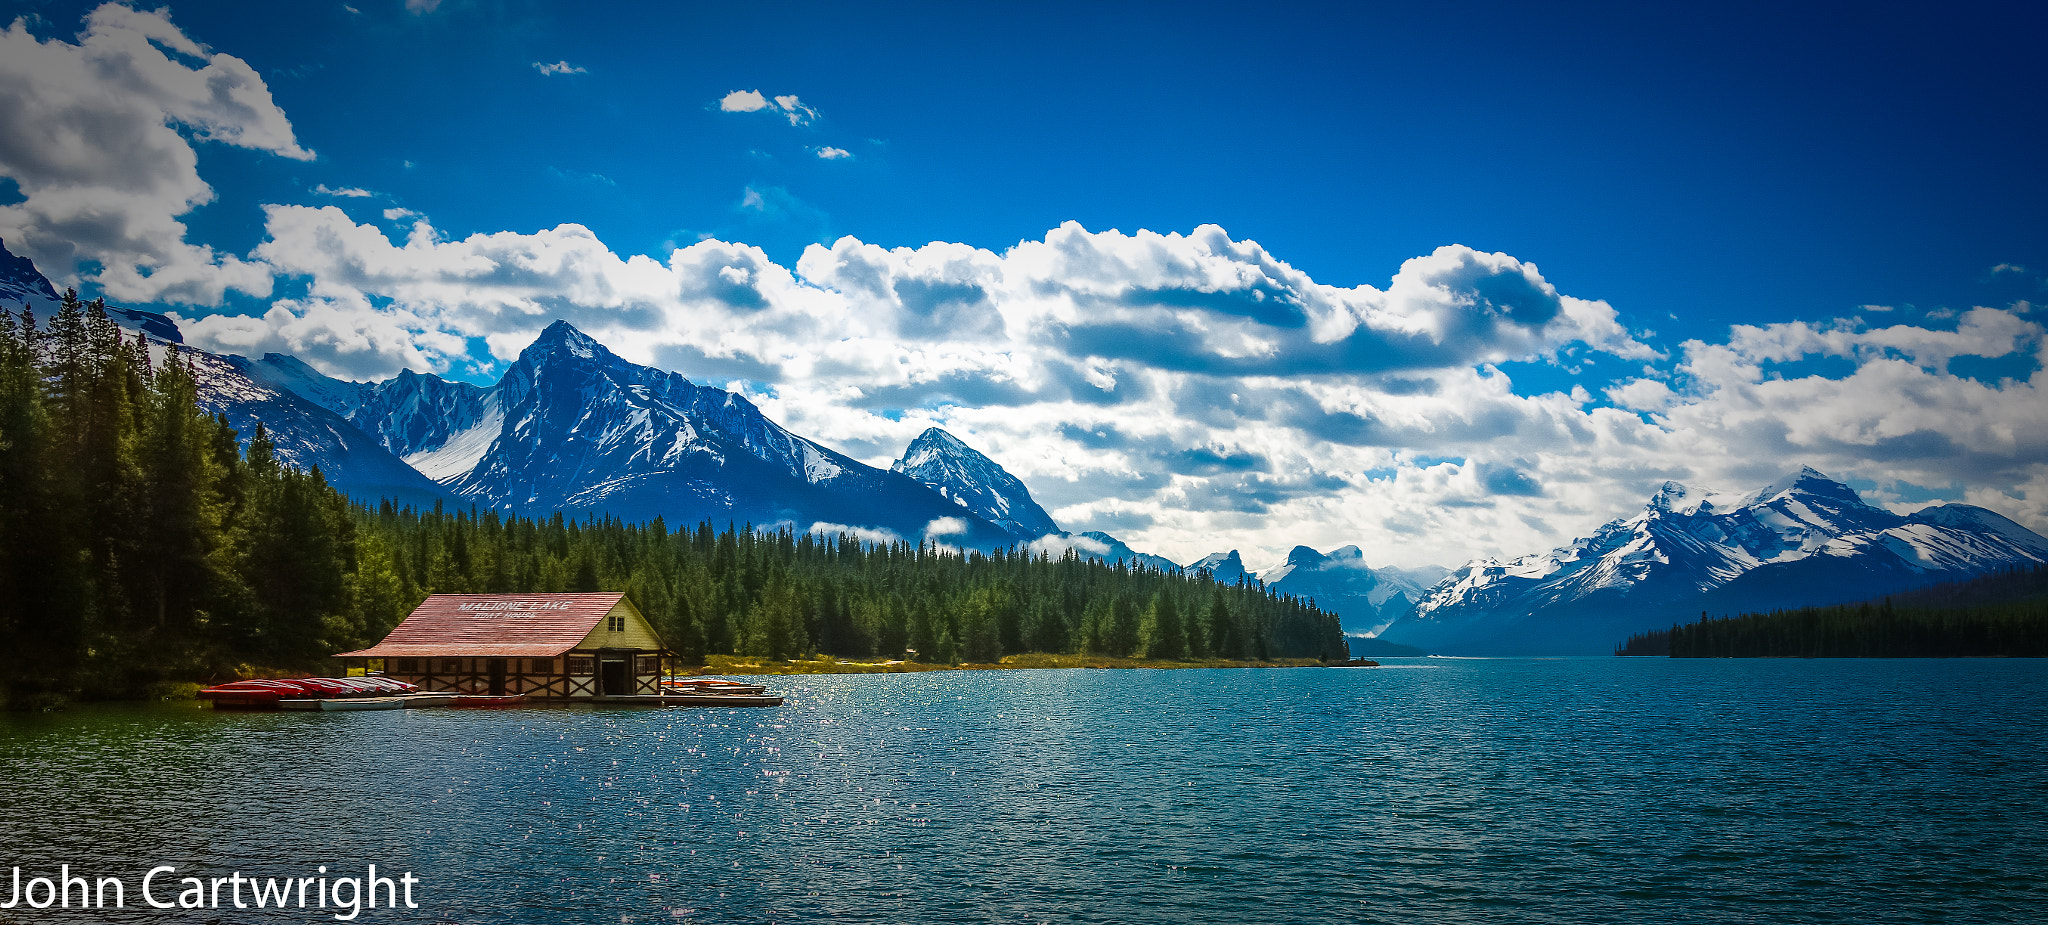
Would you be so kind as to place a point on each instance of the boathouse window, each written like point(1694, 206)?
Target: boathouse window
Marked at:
point(650, 664)
point(405, 665)
point(541, 666)
point(582, 665)
point(451, 666)
point(618, 624)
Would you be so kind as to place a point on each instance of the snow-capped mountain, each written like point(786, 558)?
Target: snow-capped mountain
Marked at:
point(975, 482)
point(978, 484)
point(1221, 567)
point(288, 373)
point(439, 427)
point(304, 433)
point(572, 427)
point(1365, 599)
point(1805, 539)
point(22, 284)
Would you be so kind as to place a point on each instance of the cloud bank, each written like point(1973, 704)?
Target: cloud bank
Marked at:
point(1194, 392)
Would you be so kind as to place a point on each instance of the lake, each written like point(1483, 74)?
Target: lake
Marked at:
point(1427, 790)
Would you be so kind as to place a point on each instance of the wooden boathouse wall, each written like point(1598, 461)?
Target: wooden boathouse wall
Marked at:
point(546, 646)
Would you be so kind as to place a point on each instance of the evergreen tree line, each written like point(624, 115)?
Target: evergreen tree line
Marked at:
point(783, 594)
point(139, 542)
point(2000, 614)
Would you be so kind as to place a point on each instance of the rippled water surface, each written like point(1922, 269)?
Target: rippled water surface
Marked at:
point(1429, 790)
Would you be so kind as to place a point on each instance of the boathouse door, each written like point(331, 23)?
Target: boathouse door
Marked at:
point(497, 670)
point(616, 680)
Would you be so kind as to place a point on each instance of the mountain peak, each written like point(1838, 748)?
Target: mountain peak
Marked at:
point(1812, 483)
point(562, 339)
point(1304, 556)
point(945, 464)
point(1226, 568)
point(937, 436)
point(20, 281)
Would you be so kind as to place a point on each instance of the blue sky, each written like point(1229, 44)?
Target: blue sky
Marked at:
point(1691, 169)
point(1739, 164)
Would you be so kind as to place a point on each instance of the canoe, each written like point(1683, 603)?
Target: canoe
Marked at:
point(430, 699)
point(487, 700)
point(709, 686)
point(268, 694)
point(252, 695)
point(234, 701)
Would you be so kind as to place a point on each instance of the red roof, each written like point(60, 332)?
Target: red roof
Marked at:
point(494, 626)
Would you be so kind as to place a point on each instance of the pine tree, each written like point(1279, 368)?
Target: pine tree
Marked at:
point(1161, 629)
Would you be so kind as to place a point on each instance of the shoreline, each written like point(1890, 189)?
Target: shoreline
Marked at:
point(746, 666)
point(749, 666)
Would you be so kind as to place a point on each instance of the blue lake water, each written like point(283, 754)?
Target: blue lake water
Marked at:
point(1429, 790)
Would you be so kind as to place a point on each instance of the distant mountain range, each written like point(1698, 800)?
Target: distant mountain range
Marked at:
point(1366, 600)
point(572, 427)
point(1805, 539)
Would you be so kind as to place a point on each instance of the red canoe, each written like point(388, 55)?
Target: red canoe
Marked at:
point(264, 693)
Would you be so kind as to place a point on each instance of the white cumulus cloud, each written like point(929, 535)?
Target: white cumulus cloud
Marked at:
point(788, 106)
point(743, 101)
point(559, 67)
point(97, 136)
point(797, 112)
point(833, 154)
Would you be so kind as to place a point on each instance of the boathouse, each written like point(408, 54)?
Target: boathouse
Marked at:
point(546, 646)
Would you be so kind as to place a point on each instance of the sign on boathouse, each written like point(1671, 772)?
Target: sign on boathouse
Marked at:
point(553, 646)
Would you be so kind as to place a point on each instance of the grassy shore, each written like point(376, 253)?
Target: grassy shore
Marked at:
point(826, 664)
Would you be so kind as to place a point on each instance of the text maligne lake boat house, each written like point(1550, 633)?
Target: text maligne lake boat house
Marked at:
point(551, 646)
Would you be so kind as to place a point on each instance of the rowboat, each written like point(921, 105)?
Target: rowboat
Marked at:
point(342, 703)
point(428, 699)
point(709, 686)
point(364, 703)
